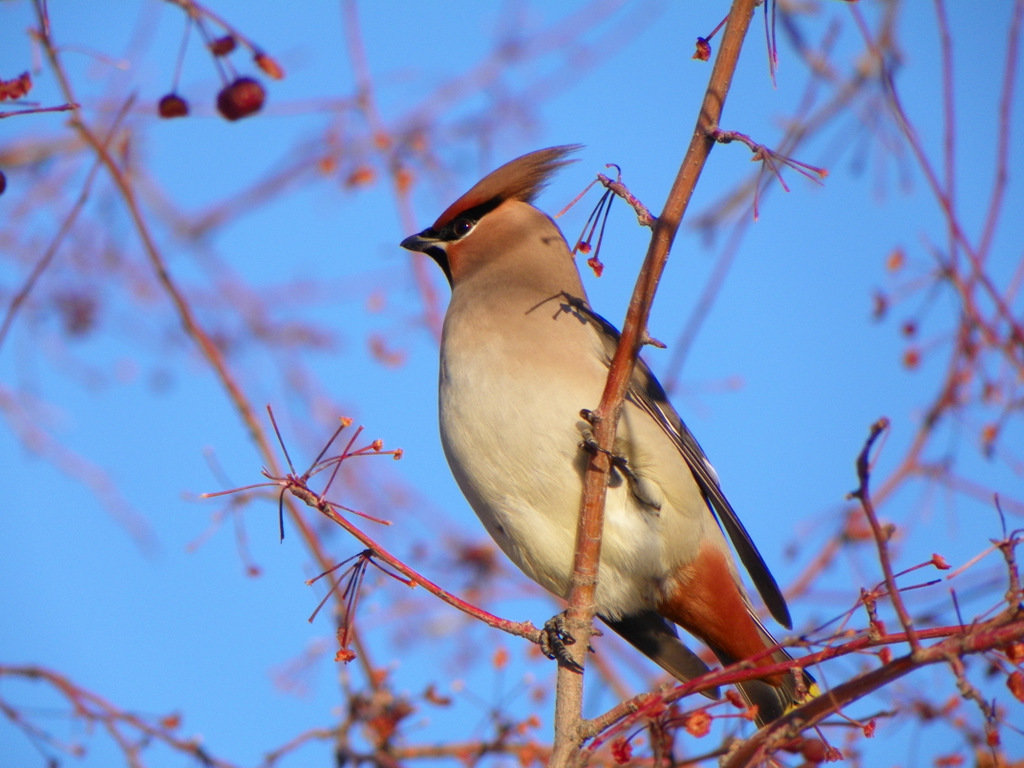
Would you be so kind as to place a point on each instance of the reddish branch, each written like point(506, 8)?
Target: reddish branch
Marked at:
point(800, 128)
point(180, 302)
point(643, 216)
point(43, 263)
point(382, 142)
point(132, 732)
point(298, 486)
point(580, 614)
point(771, 160)
point(951, 642)
point(1006, 102)
point(327, 509)
point(992, 635)
point(39, 110)
point(881, 536)
point(958, 235)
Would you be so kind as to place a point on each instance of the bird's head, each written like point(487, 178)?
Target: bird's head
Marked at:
point(494, 218)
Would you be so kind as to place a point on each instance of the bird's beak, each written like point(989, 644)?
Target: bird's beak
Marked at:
point(429, 243)
point(420, 242)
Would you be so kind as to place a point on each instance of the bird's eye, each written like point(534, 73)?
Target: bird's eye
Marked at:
point(462, 226)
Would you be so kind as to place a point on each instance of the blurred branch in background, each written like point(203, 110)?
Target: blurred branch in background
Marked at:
point(114, 271)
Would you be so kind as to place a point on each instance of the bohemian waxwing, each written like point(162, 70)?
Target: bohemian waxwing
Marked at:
point(522, 354)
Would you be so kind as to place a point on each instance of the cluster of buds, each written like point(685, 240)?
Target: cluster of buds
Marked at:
point(241, 97)
point(16, 87)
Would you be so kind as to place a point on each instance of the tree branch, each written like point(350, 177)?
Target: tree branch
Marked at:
point(1004, 629)
point(569, 695)
point(881, 536)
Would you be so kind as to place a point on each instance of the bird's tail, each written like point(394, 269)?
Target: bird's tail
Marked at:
point(658, 640)
point(779, 694)
point(773, 696)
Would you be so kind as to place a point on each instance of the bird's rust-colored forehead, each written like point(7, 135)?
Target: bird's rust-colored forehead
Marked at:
point(520, 179)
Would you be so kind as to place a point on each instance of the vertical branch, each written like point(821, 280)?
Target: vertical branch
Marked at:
point(881, 537)
point(382, 141)
point(569, 694)
point(948, 120)
point(1002, 159)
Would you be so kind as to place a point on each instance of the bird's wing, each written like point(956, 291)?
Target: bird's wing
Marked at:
point(657, 639)
point(646, 393)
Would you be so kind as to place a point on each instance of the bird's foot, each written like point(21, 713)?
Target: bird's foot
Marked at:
point(555, 641)
point(589, 444)
point(643, 488)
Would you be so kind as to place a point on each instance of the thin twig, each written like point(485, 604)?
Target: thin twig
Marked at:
point(39, 110)
point(996, 633)
point(1001, 175)
point(863, 494)
point(45, 260)
point(523, 629)
point(192, 327)
point(643, 215)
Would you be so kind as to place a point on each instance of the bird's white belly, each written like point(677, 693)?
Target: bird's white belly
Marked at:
point(513, 443)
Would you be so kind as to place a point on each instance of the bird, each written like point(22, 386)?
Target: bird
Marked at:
point(522, 355)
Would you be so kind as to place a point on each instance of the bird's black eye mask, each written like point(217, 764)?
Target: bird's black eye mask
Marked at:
point(435, 241)
point(463, 224)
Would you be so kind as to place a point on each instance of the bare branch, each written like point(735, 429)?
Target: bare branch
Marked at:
point(588, 537)
point(881, 536)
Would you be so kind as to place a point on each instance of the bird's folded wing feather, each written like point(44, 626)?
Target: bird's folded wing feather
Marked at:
point(656, 638)
point(647, 394)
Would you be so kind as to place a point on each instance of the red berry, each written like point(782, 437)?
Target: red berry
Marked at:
point(814, 751)
point(172, 105)
point(222, 46)
point(242, 97)
point(703, 50)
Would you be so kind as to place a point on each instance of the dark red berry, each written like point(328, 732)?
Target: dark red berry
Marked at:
point(242, 97)
point(703, 50)
point(172, 105)
point(3, 182)
point(222, 46)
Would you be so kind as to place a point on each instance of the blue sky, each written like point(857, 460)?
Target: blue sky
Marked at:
point(780, 386)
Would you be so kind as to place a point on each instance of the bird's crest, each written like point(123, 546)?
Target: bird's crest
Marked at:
point(519, 179)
